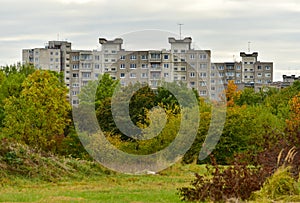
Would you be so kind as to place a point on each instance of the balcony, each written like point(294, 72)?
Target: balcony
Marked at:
point(155, 67)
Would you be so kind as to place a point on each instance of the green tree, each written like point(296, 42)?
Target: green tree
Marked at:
point(39, 115)
point(11, 79)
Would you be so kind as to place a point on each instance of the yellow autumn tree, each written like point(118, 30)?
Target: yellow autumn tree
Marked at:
point(293, 123)
point(231, 93)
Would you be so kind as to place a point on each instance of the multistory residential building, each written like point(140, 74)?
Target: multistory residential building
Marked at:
point(180, 63)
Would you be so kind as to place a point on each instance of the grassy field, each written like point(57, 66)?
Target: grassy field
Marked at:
point(106, 188)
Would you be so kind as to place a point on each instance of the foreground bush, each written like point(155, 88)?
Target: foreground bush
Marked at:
point(17, 160)
point(279, 185)
point(234, 182)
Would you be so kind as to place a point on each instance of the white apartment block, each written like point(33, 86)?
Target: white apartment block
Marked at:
point(178, 63)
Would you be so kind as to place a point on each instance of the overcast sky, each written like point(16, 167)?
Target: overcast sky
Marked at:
point(223, 26)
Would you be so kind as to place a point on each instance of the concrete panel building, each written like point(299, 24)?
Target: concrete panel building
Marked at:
point(180, 63)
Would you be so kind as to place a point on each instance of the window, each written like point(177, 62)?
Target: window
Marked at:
point(166, 65)
point(246, 76)
point(166, 57)
point(155, 65)
point(182, 68)
point(113, 60)
point(238, 75)
point(268, 68)
point(132, 65)
point(144, 57)
point(144, 75)
point(75, 102)
point(182, 51)
point(74, 93)
point(122, 75)
point(155, 56)
point(144, 65)
point(182, 59)
point(268, 75)
point(192, 56)
point(212, 81)
point(122, 66)
point(56, 53)
point(202, 92)
point(133, 57)
point(212, 74)
point(192, 74)
point(203, 74)
point(97, 66)
point(132, 75)
point(221, 67)
point(230, 74)
point(75, 75)
point(75, 85)
point(238, 67)
point(251, 76)
point(113, 69)
point(213, 88)
point(203, 66)
point(51, 53)
point(75, 58)
point(202, 84)
point(96, 75)
point(86, 57)
point(183, 78)
point(259, 68)
point(84, 83)
point(97, 58)
point(221, 74)
point(259, 74)
point(113, 51)
point(86, 65)
point(192, 84)
point(56, 60)
point(86, 75)
point(166, 75)
point(122, 57)
point(237, 81)
point(51, 59)
point(175, 51)
point(75, 67)
point(203, 56)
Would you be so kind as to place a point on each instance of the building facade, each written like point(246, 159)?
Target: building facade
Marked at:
point(180, 63)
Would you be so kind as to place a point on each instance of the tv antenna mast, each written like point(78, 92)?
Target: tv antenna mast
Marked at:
point(180, 25)
point(249, 47)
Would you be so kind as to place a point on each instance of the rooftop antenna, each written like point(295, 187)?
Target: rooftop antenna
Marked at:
point(57, 36)
point(249, 46)
point(180, 25)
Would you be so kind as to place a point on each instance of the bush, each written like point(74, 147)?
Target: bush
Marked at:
point(18, 160)
point(233, 182)
point(280, 184)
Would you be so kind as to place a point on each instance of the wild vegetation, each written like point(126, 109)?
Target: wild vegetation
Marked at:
point(252, 160)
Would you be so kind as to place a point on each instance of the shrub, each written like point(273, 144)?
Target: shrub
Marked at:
point(280, 184)
point(237, 182)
